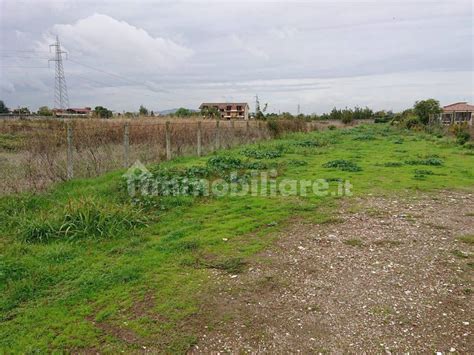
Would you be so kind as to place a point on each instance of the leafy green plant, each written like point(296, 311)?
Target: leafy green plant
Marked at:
point(310, 143)
point(220, 163)
point(262, 154)
point(432, 161)
point(392, 164)
point(423, 172)
point(296, 162)
point(364, 137)
point(342, 164)
point(84, 219)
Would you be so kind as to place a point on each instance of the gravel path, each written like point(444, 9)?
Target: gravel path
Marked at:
point(389, 276)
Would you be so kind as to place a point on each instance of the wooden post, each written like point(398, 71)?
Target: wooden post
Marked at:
point(126, 145)
point(218, 138)
point(199, 148)
point(168, 141)
point(70, 147)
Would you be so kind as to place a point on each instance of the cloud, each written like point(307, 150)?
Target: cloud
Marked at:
point(117, 43)
point(239, 43)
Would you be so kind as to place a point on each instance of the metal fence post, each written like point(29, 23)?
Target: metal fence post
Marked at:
point(168, 141)
point(199, 148)
point(218, 138)
point(126, 144)
point(69, 152)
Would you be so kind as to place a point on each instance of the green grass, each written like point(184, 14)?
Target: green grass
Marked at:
point(81, 265)
point(353, 242)
point(468, 239)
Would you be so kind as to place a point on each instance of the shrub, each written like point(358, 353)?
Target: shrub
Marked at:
point(412, 122)
point(341, 164)
point(463, 137)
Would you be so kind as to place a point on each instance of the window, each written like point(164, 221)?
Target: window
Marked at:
point(228, 108)
point(239, 108)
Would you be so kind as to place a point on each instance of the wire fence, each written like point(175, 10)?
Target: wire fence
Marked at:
point(36, 153)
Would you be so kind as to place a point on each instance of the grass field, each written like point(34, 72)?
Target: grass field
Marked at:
point(83, 268)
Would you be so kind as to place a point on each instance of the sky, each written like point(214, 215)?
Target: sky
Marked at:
point(165, 54)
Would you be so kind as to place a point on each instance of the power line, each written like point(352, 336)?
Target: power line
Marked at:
point(134, 82)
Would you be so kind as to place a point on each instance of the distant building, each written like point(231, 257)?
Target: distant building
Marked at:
point(457, 113)
point(229, 110)
point(79, 112)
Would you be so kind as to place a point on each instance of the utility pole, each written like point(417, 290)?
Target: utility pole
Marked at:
point(61, 99)
point(298, 110)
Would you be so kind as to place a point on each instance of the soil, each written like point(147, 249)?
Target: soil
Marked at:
point(390, 275)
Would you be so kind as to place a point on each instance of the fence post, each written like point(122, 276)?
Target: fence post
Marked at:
point(69, 157)
point(199, 148)
point(218, 138)
point(168, 141)
point(126, 144)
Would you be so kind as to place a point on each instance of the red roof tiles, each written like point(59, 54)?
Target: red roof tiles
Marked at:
point(459, 106)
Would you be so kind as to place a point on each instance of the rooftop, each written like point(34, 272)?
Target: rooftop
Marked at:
point(459, 106)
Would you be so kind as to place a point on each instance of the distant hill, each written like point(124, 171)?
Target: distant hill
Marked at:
point(173, 110)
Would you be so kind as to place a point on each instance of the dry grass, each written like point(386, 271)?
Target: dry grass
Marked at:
point(33, 152)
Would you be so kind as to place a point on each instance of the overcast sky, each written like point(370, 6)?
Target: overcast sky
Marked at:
point(166, 54)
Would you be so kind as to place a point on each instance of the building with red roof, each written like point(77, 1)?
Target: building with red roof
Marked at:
point(457, 113)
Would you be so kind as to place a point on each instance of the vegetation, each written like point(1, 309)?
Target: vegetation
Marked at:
point(102, 112)
point(143, 111)
point(84, 265)
point(45, 111)
point(423, 109)
point(3, 107)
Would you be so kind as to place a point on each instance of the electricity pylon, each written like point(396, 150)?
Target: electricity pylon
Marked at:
point(61, 99)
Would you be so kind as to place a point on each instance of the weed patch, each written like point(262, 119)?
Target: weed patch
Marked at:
point(392, 164)
point(344, 165)
point(353, 242)
point(431, 161)
point(262, 154)
point(468, 239)
point(84, 219)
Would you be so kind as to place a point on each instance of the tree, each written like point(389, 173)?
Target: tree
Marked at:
point(260, 112)
point(183, 112)
point(3, 108)
point(143, 111)
point(347, 116)
point(424, 108)
point(44, 111)
point(335, 114)
point(210, 112)
point(102, 112)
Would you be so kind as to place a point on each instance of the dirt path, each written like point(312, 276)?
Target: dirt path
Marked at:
point(390, 276)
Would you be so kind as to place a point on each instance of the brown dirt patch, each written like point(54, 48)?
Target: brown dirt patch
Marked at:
point(389, 276)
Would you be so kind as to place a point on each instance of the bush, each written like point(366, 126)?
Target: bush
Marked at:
point(463, 137)
point(412, 122)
